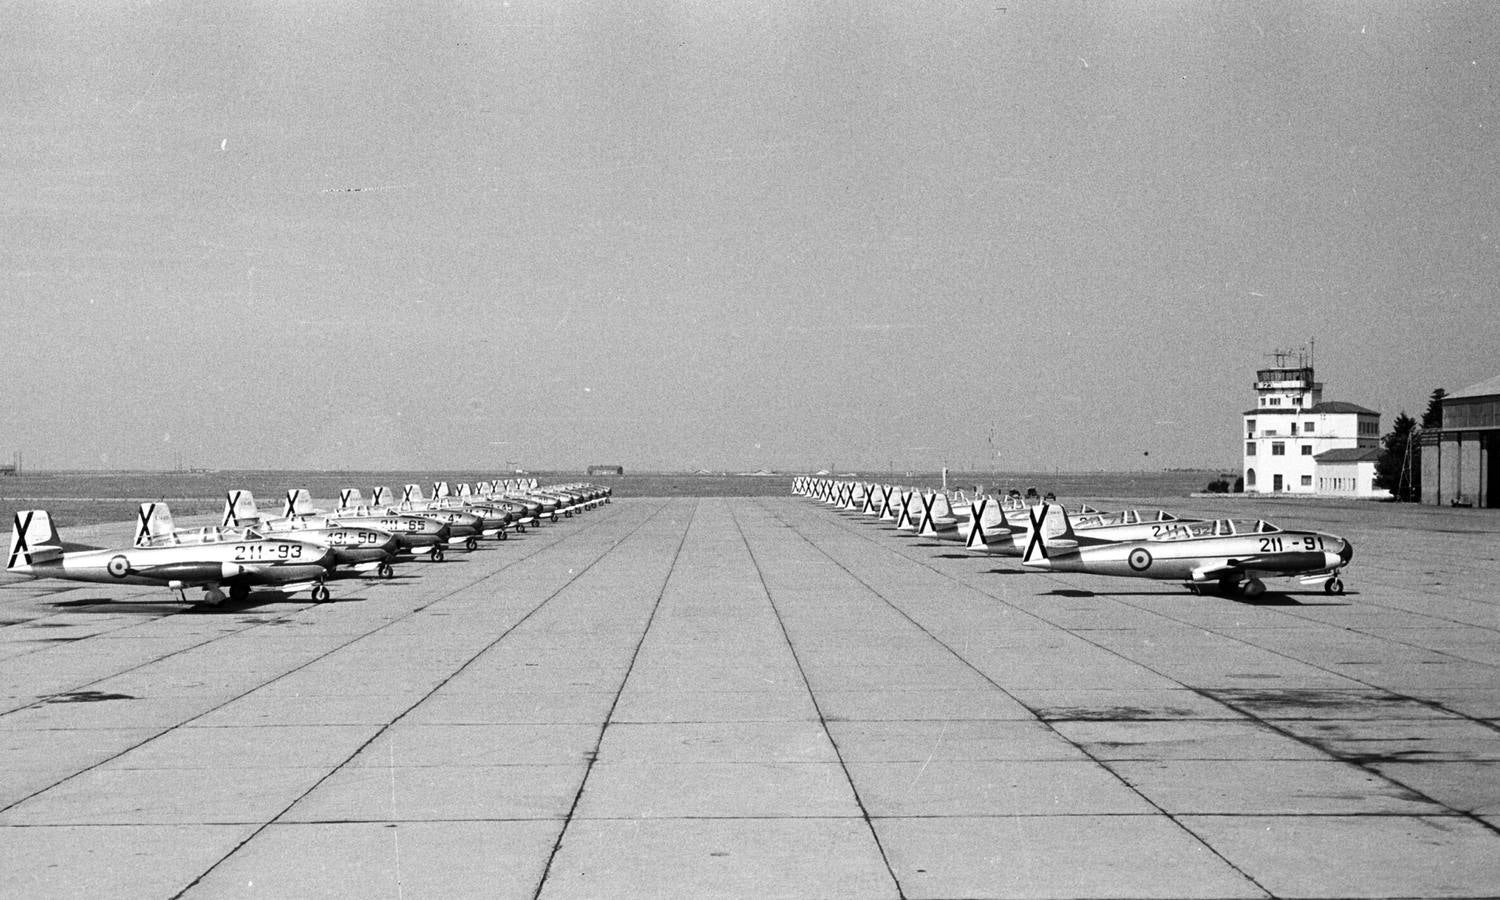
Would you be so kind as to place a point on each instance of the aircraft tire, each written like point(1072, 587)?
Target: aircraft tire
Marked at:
point(1254, 587)
point(437, 554)
point(385, 570)
point(1333, 586)
point(503, 535)
point(520, 529)
point(239, 593)
point(320, 594)
point(472, 543)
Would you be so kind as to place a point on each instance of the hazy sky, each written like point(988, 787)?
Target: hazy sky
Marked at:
point(731, 235)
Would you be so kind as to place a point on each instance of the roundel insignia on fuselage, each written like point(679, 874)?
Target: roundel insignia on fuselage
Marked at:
point(118, 566)
point(1139, 559)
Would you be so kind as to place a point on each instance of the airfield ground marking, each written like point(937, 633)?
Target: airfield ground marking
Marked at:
point(593, 756)
point(305, 606)
point(1269, 725)
point(1491, 724)
point(454, 674)
point(1347, 758)
point(795, 529)
point(817, 707)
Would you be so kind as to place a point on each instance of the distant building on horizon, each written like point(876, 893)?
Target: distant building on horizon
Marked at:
point(606, 470)
point(1298, 443)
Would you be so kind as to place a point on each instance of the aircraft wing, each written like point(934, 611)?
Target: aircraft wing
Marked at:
point(1213, 570)
point(294, 587)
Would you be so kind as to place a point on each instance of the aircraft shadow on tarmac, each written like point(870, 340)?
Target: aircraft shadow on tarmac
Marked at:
point(1269, 598)
point(173, 606)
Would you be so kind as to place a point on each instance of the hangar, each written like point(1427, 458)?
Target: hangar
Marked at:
point(1461, 459)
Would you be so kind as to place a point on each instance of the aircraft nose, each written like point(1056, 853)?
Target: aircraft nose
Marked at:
point(1347, 553)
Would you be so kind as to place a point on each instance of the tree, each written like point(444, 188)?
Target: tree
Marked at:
point(1394, 468)
point(1433, 418)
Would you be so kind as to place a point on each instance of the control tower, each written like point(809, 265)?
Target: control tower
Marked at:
point(1289, 383)
point(1292, 426)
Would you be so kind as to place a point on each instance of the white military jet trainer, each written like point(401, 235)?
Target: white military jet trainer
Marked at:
point(1232, 555)
point(355, 547)
point(239, 565)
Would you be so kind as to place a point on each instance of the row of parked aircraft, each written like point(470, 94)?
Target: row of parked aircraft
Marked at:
point(1230, 555)
point(302, 548)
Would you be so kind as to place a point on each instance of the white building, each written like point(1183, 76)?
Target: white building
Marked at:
point(1349, 473)
point(1291, 426)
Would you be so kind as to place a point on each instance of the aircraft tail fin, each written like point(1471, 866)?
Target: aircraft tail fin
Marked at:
point(239, 509)
point(350, 498)
point(299, 503)
point(411, 493)
point(33, 539)
point(986, 522)
point(152, 520)
point(1051, 531)
point(380, 495)
point(935, 506)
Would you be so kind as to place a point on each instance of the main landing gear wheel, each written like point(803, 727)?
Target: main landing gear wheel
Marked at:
point(437, 554)
point(239, 593)
point(503, 535)
point(520, 529)
point(1333, 586)
point(472, 543)
point(320, 593)
point(385, 570)
point(1254, 587)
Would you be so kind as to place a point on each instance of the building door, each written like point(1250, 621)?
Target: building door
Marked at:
point(1276, 483)
point(1490, 450)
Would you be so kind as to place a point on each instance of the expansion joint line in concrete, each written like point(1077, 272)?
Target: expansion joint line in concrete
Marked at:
point(250, 626)
point(1489, 724)
point(227, 635)
point(593, 756)
point(1269, 725)
point(996, 685)
point(404, 713)
point(822, 719)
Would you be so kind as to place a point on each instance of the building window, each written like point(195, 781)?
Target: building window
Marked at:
point(1307, 428)
point(1249, 448)
point(1249, 478)
point(1307, 481)
point(1307, 449)
point(1278, 448)
point(1294, 429)
point(1249, 428)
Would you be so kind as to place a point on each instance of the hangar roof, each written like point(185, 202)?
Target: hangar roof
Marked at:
point(1482, 389)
